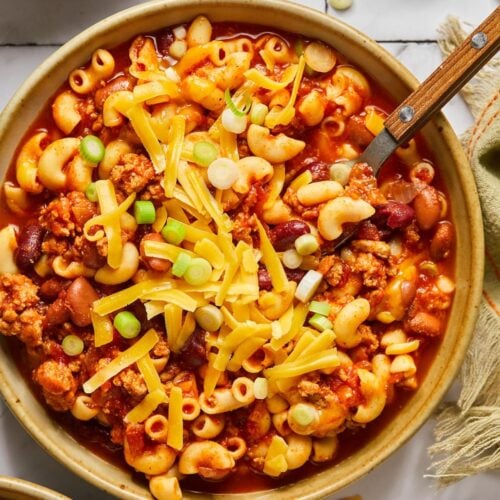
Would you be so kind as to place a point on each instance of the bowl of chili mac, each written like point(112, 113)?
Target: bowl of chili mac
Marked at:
point(176, 319)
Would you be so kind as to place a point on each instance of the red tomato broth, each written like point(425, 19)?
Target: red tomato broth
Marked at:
point(97, 439)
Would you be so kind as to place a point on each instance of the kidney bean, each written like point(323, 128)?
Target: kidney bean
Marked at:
point(442, 241)
point(152, 262)
point(320, 171)
point(29, 244)
point(295, 274)
point(394, 215)
point(427, 208)
point(264, 279)
point(426, 324)
point(115, 85)
point(194, 352)
point(79, 297)
point(284, 234)
point(50, 289)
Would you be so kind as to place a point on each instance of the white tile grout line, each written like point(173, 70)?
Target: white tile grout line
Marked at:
point(56, 45)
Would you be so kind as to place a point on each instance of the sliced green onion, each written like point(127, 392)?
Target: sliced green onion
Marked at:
point(258, 113)
point(291, 259)
point(232, 106)
point(223, 173)
point(174, 232)
point(209, 318)
point(320, 322)
point(198, 272)
point(72, 345)
point(308, 285)
point(92, 149)
point(306, 244)
point(127, 325)
point(204, 153)
point(181, 264)
point(91, 192)
point(144, 212)
point(302, 414)
point(233, 123)
point(322, 308)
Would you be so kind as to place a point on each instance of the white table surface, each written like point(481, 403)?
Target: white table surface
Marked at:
point(30, 30)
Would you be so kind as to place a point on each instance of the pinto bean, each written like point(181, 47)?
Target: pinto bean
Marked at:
point(408, 291)
point(427, 208)
point(284, 234)
point(29, 244)
point(115, 85)
point(79, 297)
point(154, 263)
point(442, 241)
point(57, 312)
point(426, 324)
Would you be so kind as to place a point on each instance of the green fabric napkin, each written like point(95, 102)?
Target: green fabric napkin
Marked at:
point(468, 432)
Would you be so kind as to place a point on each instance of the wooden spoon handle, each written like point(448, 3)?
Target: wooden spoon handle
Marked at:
point(444, 83)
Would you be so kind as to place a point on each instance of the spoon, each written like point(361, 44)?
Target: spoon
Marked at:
point(412, 114)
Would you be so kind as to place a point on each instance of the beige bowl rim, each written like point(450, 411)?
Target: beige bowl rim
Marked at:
point(471, 245)
point(27, 490)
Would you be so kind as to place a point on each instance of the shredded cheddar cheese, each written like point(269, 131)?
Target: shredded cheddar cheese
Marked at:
point(156, 88)
point(178, 129)
point(208, 201)
point(374, 122)
point(149, 373)
point(306, 364)
point(275, 462)
point(299, 316)
point(175, 436)
point(275, 185)
point(285, 116)
point(173, 322)
point(228, 145)
point(103, 329)
point(125, 297)
point(141, 122)
point(271, 260)
point(267, 83)
point(185, 332)
point(147, 406)
point(122, 361)
point(110, 219)
point(207, 248)
point(212, 376)
point(244, 351)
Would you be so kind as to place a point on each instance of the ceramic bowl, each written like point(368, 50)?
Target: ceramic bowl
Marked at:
point(398, 82)
point(12, 488)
